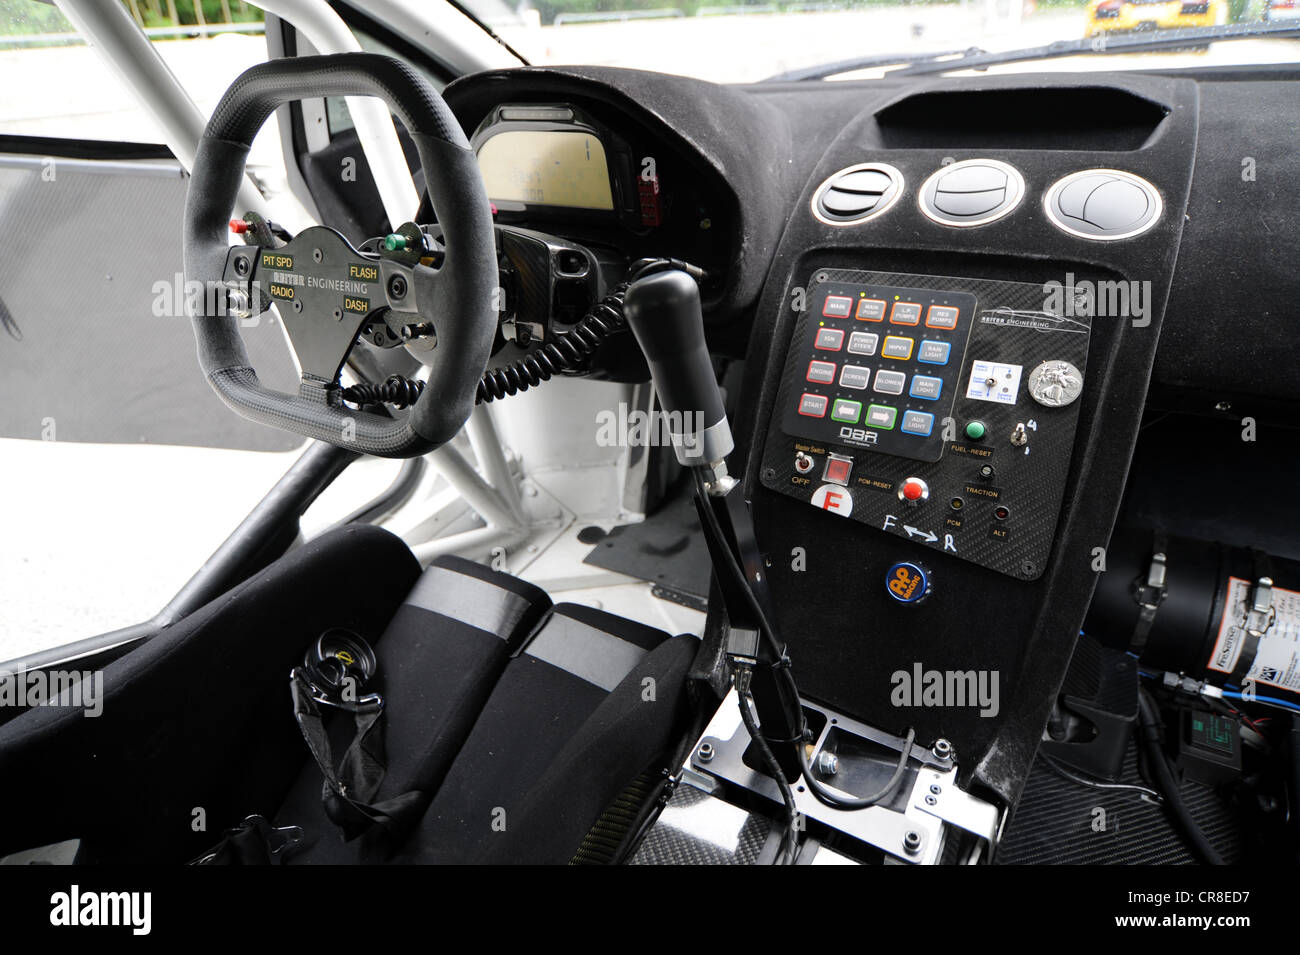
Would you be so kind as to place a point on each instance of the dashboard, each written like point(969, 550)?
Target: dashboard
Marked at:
point(584, 168)
point(953, 300)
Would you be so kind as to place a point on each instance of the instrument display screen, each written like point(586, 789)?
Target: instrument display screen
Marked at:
point(549, 167)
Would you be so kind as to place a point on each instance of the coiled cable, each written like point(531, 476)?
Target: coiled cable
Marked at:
point(568, 352)
point(396, 391)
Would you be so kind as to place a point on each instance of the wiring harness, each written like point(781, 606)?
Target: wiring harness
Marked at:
point(568, 352)
point(743, 671)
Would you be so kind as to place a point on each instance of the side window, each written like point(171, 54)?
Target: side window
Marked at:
point(122, 469)
point(94, 341)
point(336, 107)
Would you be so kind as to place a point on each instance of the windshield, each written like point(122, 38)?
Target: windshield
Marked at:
point(725, 41)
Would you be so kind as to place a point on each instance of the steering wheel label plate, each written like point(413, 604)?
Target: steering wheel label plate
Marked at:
point(324, 289)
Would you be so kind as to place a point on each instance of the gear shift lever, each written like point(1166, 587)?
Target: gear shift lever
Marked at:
point(664, 312)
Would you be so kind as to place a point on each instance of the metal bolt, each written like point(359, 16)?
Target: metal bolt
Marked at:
point(419, 330)
point(397, 286)
point(317, 255)
point(942, 748)
point(769, 473)
point(242, 265)
point(931, 801)
point(1027, 568)
point(828, 764)
point(237, 302)
point(297, 306)
point(705, 752)
point(936, 788)
point(912, 842)
point(1223, 406)
point(338, 314)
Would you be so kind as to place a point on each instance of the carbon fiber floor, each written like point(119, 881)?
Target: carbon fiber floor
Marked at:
point(696, 829)
point(1059, 821)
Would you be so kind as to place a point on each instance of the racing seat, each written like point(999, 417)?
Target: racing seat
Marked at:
point(511, 725)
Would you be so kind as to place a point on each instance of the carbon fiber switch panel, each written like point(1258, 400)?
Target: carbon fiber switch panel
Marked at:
point(937, 409)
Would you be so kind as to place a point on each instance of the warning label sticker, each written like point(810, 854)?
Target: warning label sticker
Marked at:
point(1277, 658)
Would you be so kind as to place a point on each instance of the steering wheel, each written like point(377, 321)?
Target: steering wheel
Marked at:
point(325, 289)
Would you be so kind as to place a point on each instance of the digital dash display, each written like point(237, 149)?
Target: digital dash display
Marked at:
point(548, 167)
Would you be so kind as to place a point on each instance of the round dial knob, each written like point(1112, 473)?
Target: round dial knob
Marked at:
point(1055, 383)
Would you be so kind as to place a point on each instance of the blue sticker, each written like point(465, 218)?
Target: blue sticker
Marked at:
point(907, 583)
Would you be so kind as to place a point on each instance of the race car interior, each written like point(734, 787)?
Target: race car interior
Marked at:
point(980, 399)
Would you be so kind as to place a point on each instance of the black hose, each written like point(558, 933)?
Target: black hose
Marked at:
point(731, 566)
point(1293, 740)
point(823, 793)
point(787, 851)
point(1082, 780)
point(1149, 735)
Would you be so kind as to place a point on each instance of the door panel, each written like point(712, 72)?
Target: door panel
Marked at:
point(97, 346)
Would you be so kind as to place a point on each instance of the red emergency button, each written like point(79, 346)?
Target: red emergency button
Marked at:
point(837, 470)
point(240, 226)
point(914, 490)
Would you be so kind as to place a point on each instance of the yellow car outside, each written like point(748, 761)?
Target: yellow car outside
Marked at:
point(1132, 16)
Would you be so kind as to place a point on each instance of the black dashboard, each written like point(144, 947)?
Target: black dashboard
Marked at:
point(954, 300)
point(752, 171)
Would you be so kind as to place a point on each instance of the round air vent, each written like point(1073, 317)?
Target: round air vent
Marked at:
point(857, 193)
point(971, 192)
point(1103, 204)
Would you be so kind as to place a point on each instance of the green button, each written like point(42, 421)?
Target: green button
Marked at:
point(975, 430)
point(394, 242)
point(846, 411)
point(881, 416)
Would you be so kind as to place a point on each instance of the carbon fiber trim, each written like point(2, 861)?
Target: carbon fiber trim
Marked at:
point(359, 431)
point(1007, 326)
point(697, 829)
point(1056, 819)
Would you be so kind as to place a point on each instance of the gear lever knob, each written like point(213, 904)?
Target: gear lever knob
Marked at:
point(663, 310)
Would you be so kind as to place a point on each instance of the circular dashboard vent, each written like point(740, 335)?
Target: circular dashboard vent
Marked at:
point(971, 192)
point(857, 193)
point(1103, 204)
